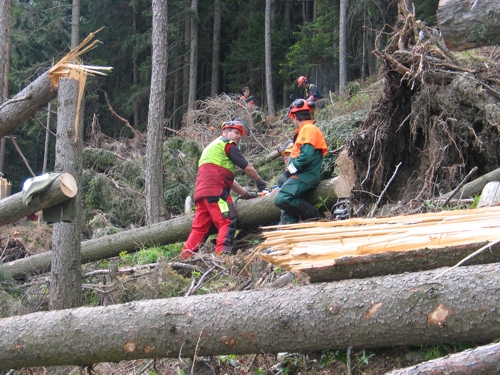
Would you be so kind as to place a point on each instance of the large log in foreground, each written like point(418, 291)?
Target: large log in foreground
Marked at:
point(26, 103)
point(408, 309)
point(13, 208)
point(483, 360)
point(466, 24)
point(251, 213)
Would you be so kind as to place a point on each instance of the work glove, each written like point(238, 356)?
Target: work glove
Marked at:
point(249, 195)
point(261, 185)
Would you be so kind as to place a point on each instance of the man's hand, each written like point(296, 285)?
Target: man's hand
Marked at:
point(249, 195)
point(261, 185)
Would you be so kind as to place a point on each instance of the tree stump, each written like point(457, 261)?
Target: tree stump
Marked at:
point(490, 195)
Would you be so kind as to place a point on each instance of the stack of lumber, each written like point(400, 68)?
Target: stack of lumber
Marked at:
point(311, 246)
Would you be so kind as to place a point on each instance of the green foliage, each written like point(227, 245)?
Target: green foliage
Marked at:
point(436, 351)
point(180, 157)
point(152, 254)
point(364, 358)
point(322, 204)
point(475, 201)
point(91, 298)
point(231, 359)
point(464, 345)
point(327, 357)
point(111, 190)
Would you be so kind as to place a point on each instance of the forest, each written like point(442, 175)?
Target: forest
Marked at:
point(407, 122)
point(304, 42)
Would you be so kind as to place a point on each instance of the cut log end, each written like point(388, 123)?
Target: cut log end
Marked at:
point(68, 185)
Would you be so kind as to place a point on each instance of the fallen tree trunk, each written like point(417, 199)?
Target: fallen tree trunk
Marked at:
point(13, 208)
point(466, 24)
point(480, 361)
point(251, 214)
point(26, 103)
point(409, 309)
point(392, 263)
point(476, 186)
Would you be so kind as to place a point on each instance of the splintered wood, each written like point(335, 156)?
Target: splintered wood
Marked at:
point(319, 244)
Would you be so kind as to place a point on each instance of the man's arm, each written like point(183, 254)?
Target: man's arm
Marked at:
point(305, 157)
point(252, 173)
point(237, 157)
point(238, 189)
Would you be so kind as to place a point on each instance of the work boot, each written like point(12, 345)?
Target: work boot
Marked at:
point(304, 211)
point(286, 219)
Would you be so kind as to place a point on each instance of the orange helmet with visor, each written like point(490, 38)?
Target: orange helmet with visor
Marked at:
point(238, 123)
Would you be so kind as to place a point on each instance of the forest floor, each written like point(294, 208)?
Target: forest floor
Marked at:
point(144, 284)
point(410, 114)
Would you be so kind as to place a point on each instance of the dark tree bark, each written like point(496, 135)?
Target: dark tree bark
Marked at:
point(214, 87)
point(12, 208)
point(155, 202)
point(4, 33)
point(251, 214)
point(271, 110)
point(343, 46)
point(66, 276)
point(466, 24)
point(483, 360)
point(408, 309)
point(193, 57)
point(26, 103)
point(75, 24)
point(5, 91)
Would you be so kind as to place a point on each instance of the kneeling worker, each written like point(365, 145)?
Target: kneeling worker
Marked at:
point(304, 166)
point(215, 180)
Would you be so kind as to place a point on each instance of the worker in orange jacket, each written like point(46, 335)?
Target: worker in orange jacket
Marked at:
point(214, 181)
point(304, 166)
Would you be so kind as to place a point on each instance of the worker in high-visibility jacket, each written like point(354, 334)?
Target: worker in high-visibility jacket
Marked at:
point(312, 91)
point(304, 166)
point(214, 181)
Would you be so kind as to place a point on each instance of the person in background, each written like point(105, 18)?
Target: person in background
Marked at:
point(312, 91)
point(246, 99)
point(304, 166)
point(215, 180)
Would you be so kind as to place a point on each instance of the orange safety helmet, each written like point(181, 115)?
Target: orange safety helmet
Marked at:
point(301, 80)
point(237, 123)
point(300, 105)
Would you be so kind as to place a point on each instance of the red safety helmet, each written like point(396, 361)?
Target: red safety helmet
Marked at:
point(237, 123)
point(300, 105)
point(301, 80)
